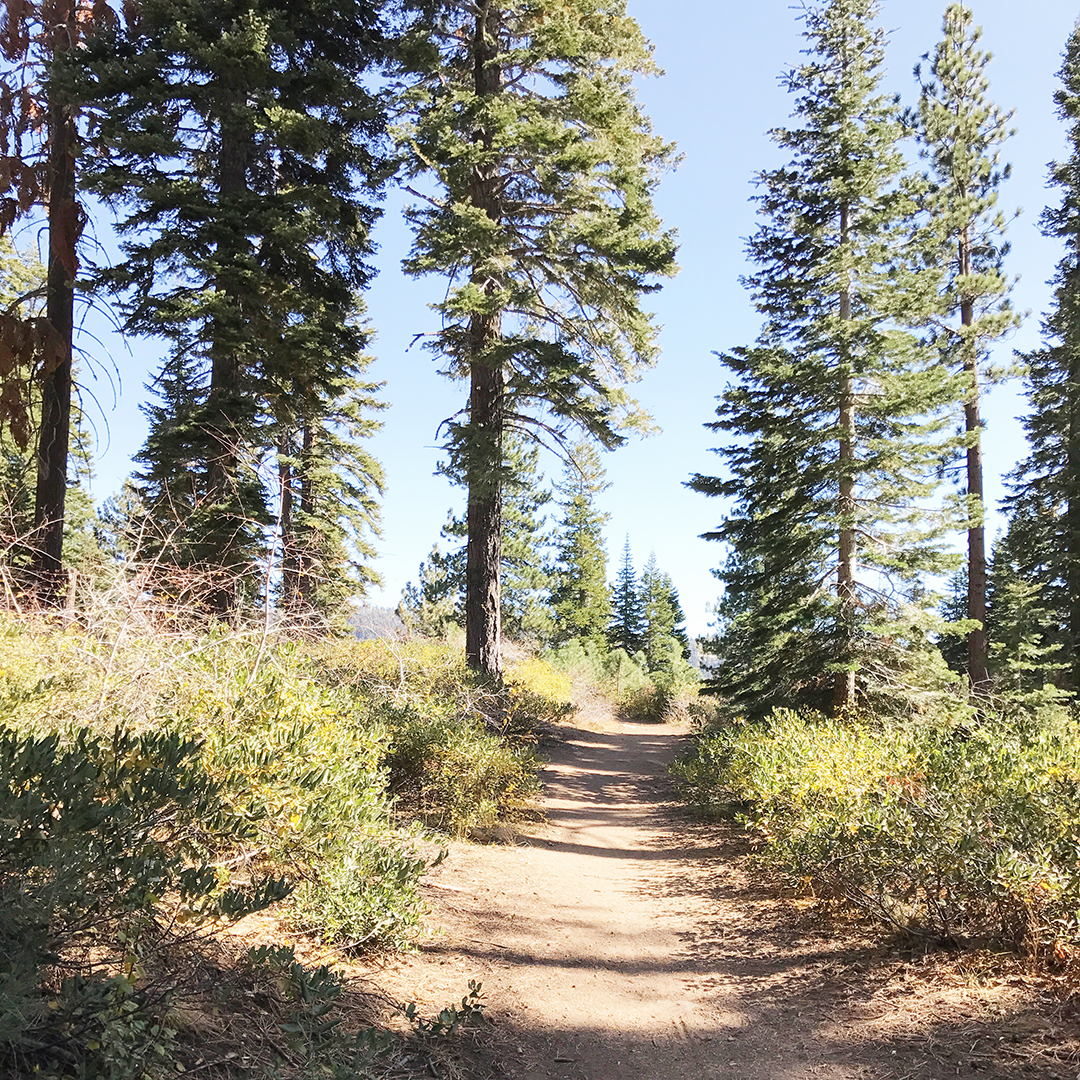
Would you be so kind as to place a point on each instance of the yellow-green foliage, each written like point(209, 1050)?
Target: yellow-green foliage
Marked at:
point(537, 676)
point(961, 833)
point(312, 742)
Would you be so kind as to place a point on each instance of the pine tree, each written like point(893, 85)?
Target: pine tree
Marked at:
point(960, 132)
point(664, 638)
point(542, 168)
point(627, 628)
point(581, 598)
point(834, 456)
point(433, 605)
point(329, 483)
point(526, 577)
point(1046, 485)
point(526, 614)
point(1028, 637)
point(39, 139)
point(237, 137)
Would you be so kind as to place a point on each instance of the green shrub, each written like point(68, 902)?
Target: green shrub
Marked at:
point(364, 892)
point(103, 862)
point(962, 834)
point(457, 775)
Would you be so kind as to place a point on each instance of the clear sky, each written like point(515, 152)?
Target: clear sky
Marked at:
point(717, 101)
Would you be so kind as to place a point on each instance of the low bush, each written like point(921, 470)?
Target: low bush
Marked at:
point(963, 834)
point(104, 864)
point(665, 694)
point(456, 774)
point(324, 748)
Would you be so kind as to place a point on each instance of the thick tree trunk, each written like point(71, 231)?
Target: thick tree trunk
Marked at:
point(847, 561)
point(978, 655)
point(223, 401)
point(55, 434)
point(486, 404)
point(483, 600)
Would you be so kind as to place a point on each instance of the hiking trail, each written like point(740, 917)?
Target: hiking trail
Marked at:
point(620, 939)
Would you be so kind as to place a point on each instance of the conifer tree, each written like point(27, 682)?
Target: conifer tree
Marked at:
point(39, 141)
point(960, 132)
point(1046, 485)
point(1025, 617)
point(542, 168)
point(526, 577)
point(664, 635)
point(627, 629)
point(433, 604)
point(835, 448)
point(581, 598)
point(237, 137)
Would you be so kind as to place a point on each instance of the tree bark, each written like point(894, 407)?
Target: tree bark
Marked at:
point(305, 561)
point(55, 433)
point(1072, 517)
point(222, 429)
point(847, 562)
point(289, 569)
point(978, 653)
point(486, 402)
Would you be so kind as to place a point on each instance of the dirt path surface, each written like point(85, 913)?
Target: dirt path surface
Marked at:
point(620, 940)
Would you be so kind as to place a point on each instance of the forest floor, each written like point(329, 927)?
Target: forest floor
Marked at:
point(621, 939)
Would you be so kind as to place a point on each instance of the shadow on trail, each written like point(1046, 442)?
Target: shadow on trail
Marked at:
point(771, 993)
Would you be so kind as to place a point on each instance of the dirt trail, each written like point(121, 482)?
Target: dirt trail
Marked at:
point(621, 941)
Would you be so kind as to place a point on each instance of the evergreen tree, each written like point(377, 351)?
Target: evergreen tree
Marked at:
point(961, 132)
point(328, 482)
point(433, 605)
point(834, 456)
point(526, 578)
point(1045, 504)
point(627, 628)
point(664, 635)
point(523, 117)
point(39, 140)
point(1028, 637)
point(238, 138)
point(581, 598)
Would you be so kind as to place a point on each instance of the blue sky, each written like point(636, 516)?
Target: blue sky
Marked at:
point(717, 100)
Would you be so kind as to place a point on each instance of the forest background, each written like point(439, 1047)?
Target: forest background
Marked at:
point(717, 100)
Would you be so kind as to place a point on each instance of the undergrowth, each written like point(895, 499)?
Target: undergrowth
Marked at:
point(664, 694)
point(156, 781)
point(961, 834)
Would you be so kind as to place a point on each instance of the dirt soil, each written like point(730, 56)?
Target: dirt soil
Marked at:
point(622, 940)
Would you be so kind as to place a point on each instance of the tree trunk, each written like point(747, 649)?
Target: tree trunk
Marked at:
point(483, 600)
point(978, 659)
point(222, 429)
point(55, 434)
point(306, 566)
point(847, 562)
point(486, 404)
point(1072, 519)
point(289, 569)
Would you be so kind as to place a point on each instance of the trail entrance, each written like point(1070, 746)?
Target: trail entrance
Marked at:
point(620, 940)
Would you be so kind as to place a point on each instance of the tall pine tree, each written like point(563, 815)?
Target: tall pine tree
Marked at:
point(541, 169)
point(40, 143)
point(236, 136)
point(960, 132)
point(1046, 485)
point(833, 458)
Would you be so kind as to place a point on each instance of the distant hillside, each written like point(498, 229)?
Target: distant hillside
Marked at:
point(376, 622)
